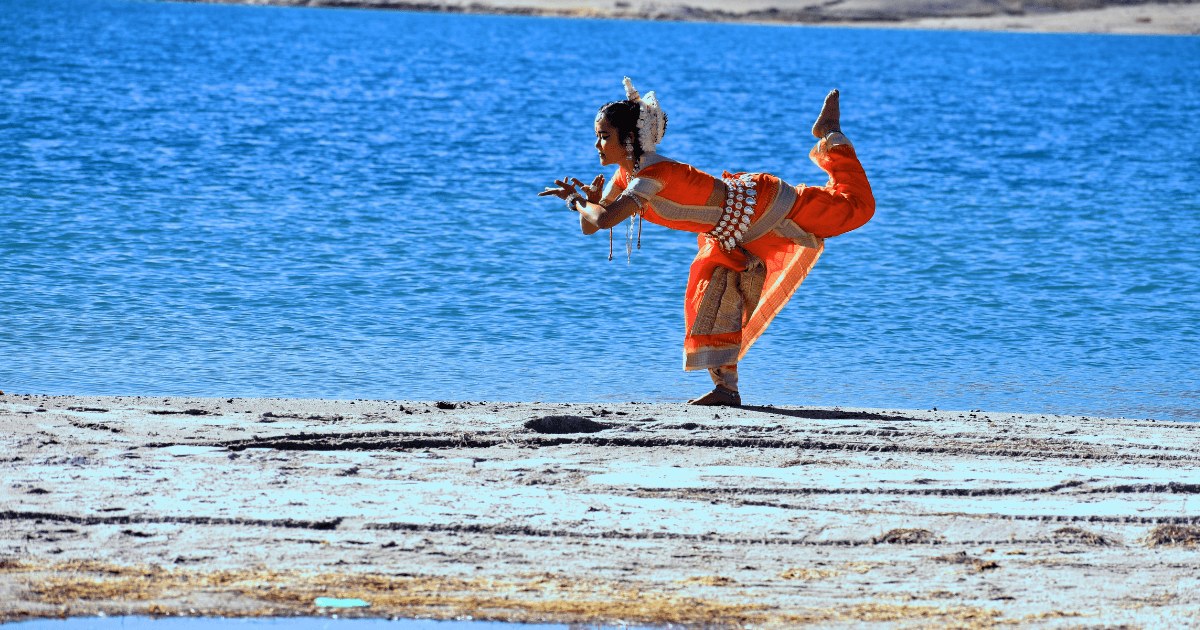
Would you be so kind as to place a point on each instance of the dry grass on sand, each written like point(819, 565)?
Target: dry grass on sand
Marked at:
point(544, 598)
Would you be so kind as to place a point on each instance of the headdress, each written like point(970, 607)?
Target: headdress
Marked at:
point(652, 122)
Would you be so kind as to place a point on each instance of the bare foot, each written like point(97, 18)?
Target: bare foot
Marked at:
point(830, 119)
point(719, 396)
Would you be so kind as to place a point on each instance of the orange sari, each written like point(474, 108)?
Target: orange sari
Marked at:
point(732, 296)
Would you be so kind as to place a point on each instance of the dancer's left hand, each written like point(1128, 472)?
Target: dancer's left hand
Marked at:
point(565, 188)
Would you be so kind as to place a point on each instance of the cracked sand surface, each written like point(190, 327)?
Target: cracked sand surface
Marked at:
point(759, 516)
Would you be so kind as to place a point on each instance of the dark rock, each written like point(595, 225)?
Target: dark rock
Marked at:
point(564, 424)
point(905, 536)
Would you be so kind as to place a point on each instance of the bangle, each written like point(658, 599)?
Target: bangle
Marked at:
point(574, 198)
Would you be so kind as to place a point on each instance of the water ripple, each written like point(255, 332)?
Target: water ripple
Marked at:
point(247, 201)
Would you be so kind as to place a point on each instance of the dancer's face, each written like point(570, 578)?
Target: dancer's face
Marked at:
point(608, 143)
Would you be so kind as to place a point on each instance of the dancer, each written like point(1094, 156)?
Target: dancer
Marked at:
point(758, 236)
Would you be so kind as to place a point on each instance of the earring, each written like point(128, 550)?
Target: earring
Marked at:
point(629, 147)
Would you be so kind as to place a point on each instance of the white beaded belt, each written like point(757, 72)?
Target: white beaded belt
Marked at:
point(735, 212)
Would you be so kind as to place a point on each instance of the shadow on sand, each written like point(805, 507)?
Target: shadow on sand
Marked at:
point(831, 414)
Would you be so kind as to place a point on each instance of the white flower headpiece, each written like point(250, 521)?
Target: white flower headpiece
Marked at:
point(652, 122)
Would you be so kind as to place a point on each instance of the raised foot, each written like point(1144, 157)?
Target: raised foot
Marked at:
point(830, 119)
point(718, 397)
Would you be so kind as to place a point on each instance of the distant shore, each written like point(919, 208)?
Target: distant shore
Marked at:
point(1038, 16)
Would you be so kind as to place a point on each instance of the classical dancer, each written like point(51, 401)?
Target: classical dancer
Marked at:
point(758, 236)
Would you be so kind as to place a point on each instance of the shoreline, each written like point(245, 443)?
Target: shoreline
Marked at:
point(1033, 16)
point(641, 514)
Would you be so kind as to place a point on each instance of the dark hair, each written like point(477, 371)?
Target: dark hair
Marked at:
point(623, 116)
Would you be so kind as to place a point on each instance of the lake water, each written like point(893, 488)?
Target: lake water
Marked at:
point(253, 201)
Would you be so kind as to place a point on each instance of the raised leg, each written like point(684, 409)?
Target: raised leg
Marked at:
point(845, 203)
point(830, 119)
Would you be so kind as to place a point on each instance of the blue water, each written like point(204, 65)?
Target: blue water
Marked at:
point(249, 201)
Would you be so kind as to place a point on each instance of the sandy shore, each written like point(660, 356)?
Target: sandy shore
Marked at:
point(644, 514)
point(1145, 19)
point(1049, 16)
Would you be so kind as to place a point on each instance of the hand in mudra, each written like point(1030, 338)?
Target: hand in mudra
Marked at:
point(567, 186)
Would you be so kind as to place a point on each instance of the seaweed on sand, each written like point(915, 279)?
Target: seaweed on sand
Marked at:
point(1078, 534)
point(1168, 535)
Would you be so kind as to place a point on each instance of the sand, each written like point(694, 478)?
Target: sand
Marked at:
point(599, 514)
point(1048, 16)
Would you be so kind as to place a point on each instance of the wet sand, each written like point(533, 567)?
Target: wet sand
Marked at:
point(643, 514)
point(1048, 16)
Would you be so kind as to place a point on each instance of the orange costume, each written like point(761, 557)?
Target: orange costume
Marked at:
point(736, 287)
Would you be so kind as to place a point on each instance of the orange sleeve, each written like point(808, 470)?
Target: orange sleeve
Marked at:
point(682, 183)
point(844, 204)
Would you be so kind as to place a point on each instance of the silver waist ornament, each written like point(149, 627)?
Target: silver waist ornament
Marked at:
point(740, 201)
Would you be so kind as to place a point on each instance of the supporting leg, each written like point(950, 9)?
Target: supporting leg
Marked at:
point(725, 377)
point(726, 391)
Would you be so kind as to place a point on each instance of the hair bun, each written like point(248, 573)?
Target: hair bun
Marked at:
point(652, 122)
point(631, 93)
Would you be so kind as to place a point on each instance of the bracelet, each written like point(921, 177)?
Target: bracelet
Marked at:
point(831, 142)
point(573, 199)
point(636, 200)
